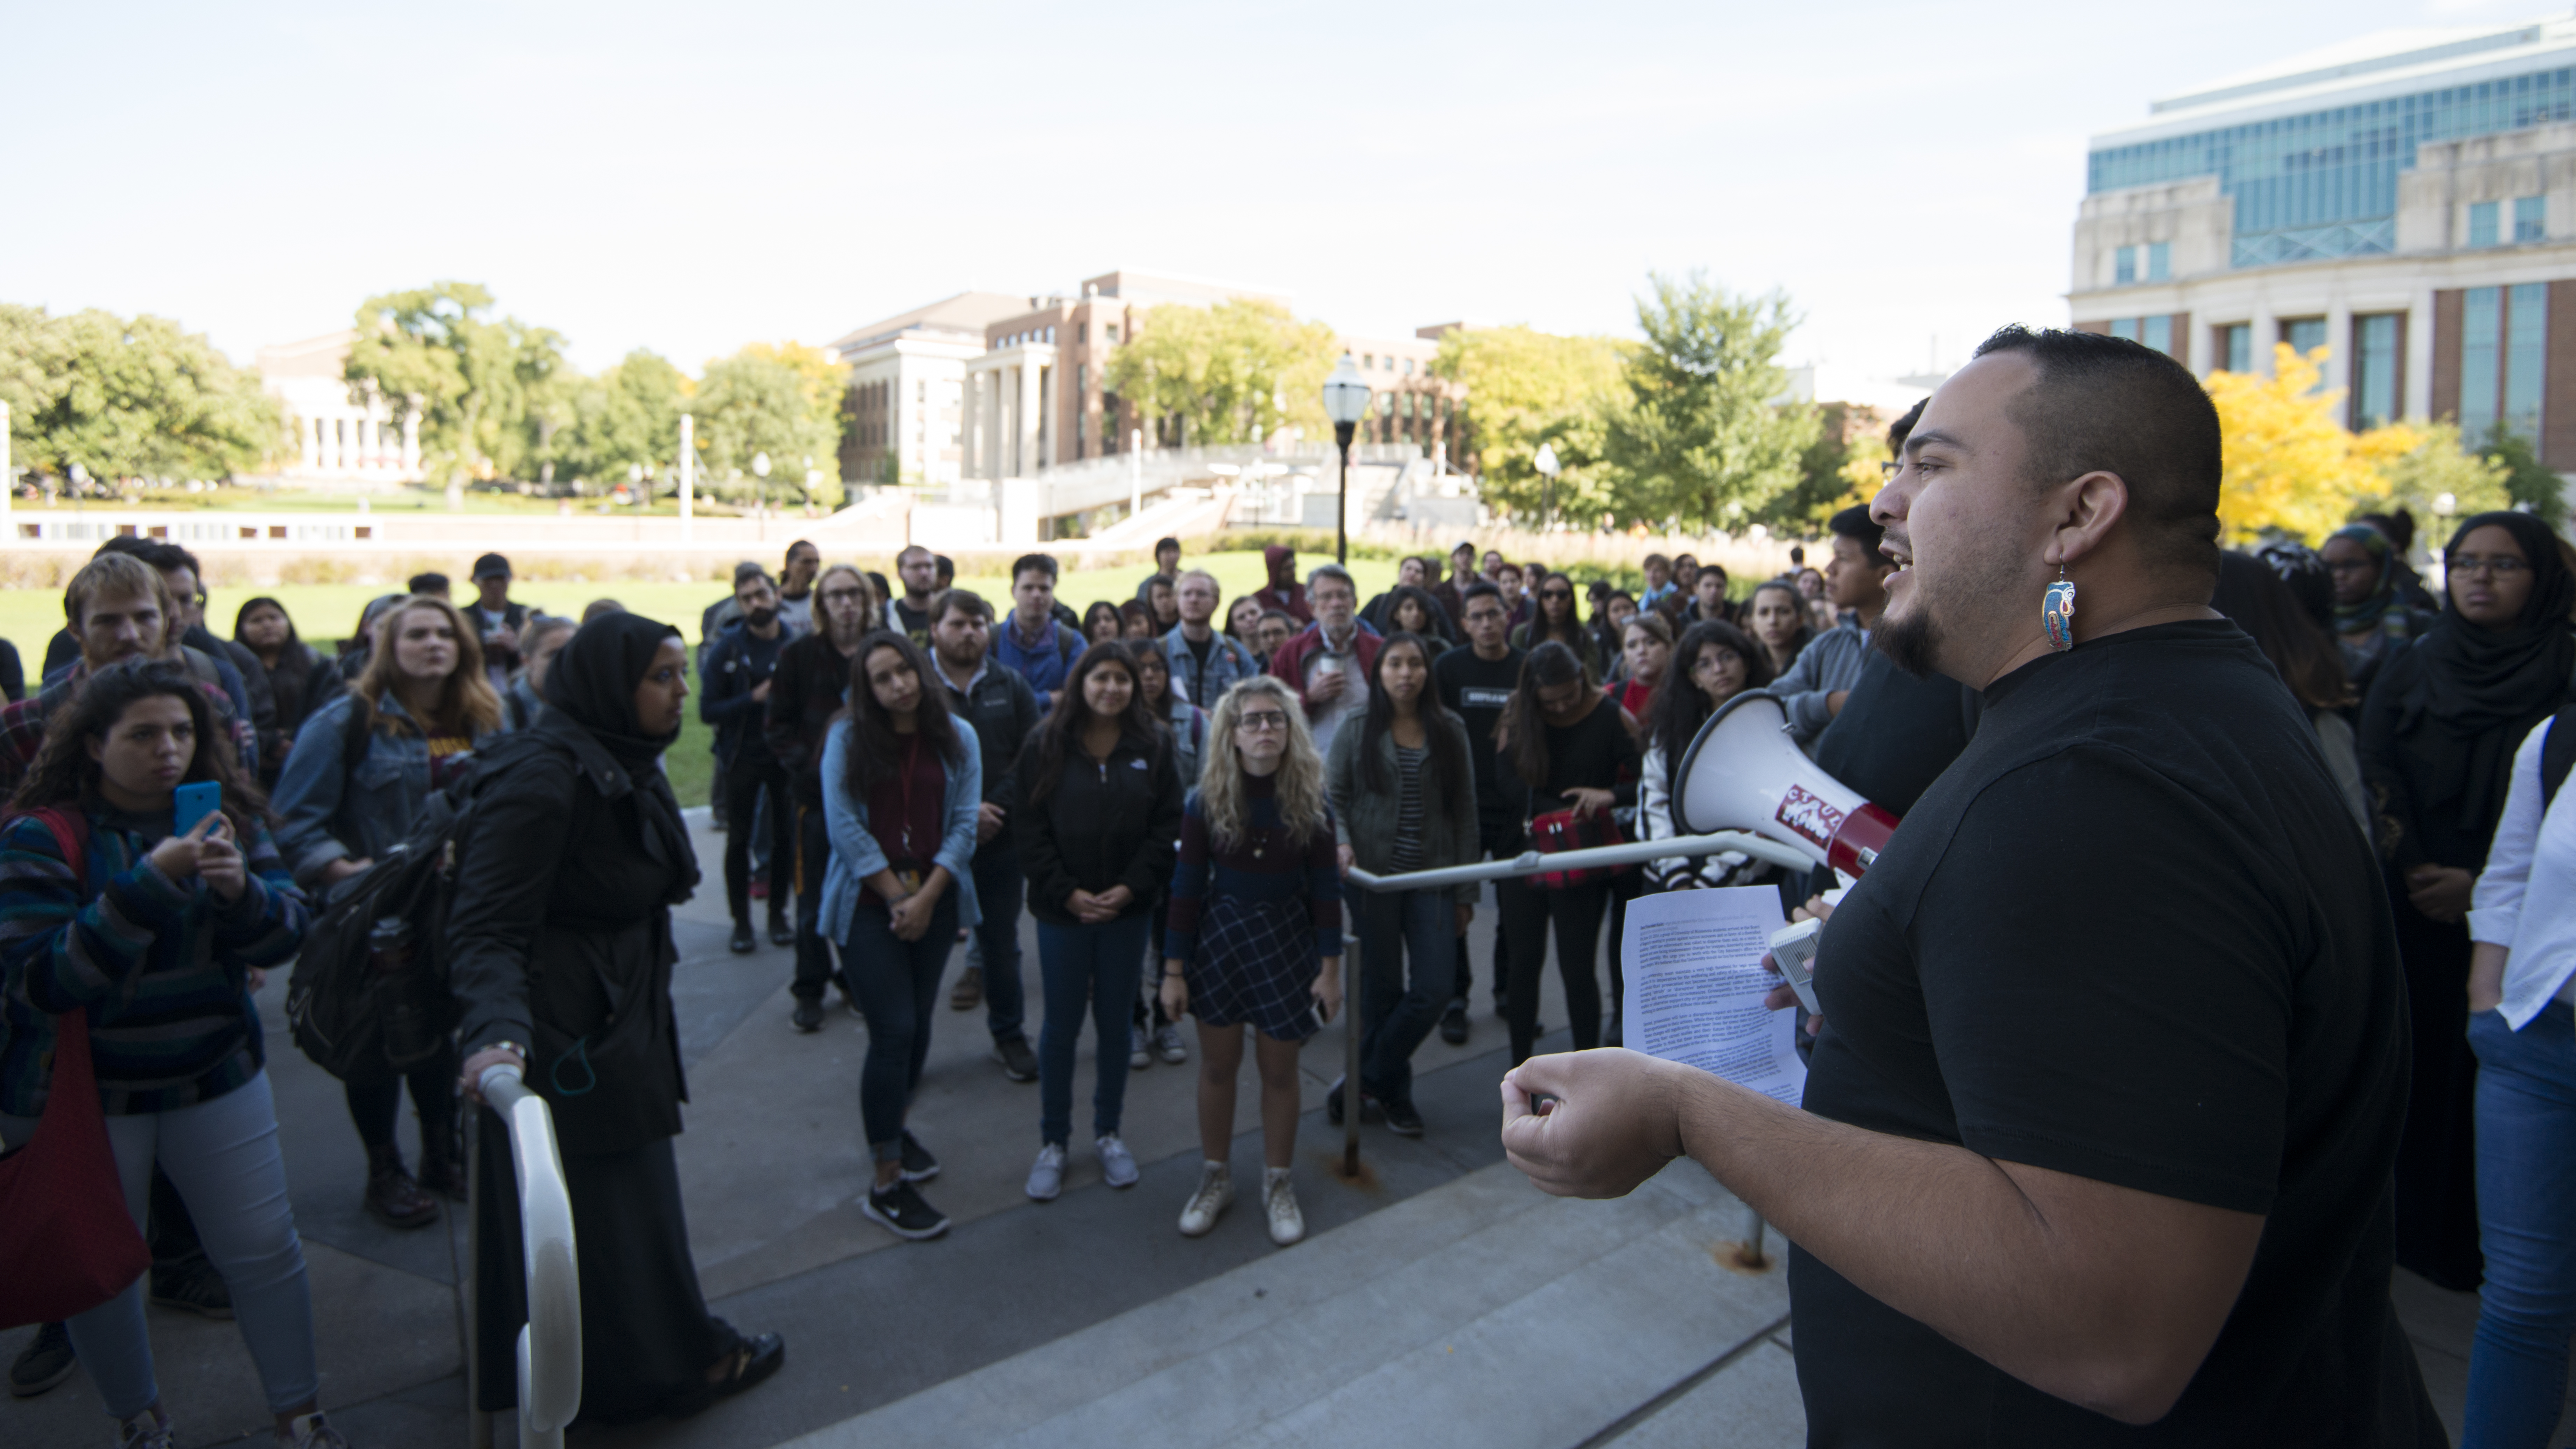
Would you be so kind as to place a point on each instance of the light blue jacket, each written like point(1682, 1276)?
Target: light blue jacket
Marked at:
point(855, 852)
point(330, 808)
point(1228, 661)
point(1832, 660)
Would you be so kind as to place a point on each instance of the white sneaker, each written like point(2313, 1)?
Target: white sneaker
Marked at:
point(1279, 1200)
point(1215, 1194)
point(1046, 1177)
point(309, 1431)
point(1167, 1044)
point(147, 1430)
point(1138, 1058)
point(1117, 1164)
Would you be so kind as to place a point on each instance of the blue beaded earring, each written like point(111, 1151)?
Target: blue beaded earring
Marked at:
point(2057, 612)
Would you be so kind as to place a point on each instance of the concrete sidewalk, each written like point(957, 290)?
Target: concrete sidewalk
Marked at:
point(1441, 1297)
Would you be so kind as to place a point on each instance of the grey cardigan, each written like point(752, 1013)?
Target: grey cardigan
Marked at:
point(1364, 819)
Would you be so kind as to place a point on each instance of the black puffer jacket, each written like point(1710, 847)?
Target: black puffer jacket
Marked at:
point(1107, 823)
point(560, 935)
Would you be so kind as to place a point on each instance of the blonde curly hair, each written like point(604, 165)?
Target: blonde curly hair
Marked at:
point(1223, 800)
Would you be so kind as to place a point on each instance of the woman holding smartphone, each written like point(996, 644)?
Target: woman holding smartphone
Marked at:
point(903, 784)
point(1099, 807)
point(158, 936)
point(362, 770)
point(1255, 935)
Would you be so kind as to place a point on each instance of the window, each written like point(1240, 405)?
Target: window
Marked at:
point(1386, 404)
point(1050, 337)
point(1110, 331)
point(2307, 334)
point(2526, 334)
point(2159, 261)
point(2126, 327)
point(2482, 223)
point(2481, 360)
point(1081, 333)
point(2157, 332)
point(2374, 370)
point(1368, 361)
point(1408, 367)
point(2124, 266)
point(2530, 218)
point(1081, 377)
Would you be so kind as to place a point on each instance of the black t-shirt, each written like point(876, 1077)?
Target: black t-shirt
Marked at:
point(2132, 935)
point(915, 622)
point(1476, 690)
point(1896, 733)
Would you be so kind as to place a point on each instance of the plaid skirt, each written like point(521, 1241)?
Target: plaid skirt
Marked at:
point(1256, 964)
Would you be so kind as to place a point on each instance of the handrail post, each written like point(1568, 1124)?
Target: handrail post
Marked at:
point(549, 1346)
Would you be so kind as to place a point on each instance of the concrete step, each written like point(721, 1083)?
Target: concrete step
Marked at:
point(1478, 1312)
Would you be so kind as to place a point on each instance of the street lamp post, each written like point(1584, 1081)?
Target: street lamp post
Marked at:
point(760, 491)
point(1346, 401)
point(1547, 465)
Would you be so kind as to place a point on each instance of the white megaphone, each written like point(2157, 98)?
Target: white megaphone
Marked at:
point(1744, 773)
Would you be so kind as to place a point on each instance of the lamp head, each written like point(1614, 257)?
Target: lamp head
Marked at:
point(1546, 462)
point(1346, 394)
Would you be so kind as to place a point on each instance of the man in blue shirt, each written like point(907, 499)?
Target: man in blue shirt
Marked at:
point(1029, 639)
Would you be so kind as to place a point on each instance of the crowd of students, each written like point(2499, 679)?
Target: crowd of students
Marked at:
point(1174, 789)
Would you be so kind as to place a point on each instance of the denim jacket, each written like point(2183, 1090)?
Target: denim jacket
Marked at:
point(855, 853)
point(331, 810)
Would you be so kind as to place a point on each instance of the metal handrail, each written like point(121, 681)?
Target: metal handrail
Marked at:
point(1533, 862)
point(550, 1341)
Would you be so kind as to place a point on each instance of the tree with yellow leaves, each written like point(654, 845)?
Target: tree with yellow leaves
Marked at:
point(2289, 464)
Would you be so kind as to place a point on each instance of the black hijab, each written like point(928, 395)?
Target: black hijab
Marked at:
point(591, 683)
point(2483, 689)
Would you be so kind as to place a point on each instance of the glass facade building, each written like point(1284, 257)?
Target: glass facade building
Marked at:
point(2324, 184)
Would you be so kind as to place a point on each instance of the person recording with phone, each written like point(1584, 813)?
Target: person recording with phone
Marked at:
point(157, 932)
point(2096, 1147)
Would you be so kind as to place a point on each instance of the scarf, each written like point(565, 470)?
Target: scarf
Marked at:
point(2481, 689)
point(592, 684)
point(2381, 609)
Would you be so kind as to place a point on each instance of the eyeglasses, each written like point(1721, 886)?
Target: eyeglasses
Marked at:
point(1262, 723)
point(2503, 566)
point(843, 595)
point(1556, 593)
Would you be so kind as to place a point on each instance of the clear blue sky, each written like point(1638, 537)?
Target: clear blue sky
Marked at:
point(691, 178)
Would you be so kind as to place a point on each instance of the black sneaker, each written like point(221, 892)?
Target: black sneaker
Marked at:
point(1369, 1105)
point(1018, 1062)
point(44, 1364)
point(194, 1286)
point(809, 1015)
point(743, 944)
point(900, 1211)
point(1453, 1023)
point(1401, 1119)
point(780, 932)
point(918, 1164)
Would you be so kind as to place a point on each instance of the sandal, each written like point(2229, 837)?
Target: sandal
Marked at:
point(751, 1361)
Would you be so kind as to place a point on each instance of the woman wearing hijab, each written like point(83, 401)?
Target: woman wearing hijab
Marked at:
point(2438, 735)
point(560, 954)
point(2371, 616)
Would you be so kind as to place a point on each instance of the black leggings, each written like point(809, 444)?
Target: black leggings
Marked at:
point(1575, 911)
point(373, 1106)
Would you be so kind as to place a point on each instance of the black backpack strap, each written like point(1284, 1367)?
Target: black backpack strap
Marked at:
point(2557, 754)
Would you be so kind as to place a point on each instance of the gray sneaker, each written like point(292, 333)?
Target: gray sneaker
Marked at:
point(1167, 1044)
point(1117, 1164)
point(1139, 1057)
point(1046, 1177)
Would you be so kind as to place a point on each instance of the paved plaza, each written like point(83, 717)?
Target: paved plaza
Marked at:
point(1441, 1301)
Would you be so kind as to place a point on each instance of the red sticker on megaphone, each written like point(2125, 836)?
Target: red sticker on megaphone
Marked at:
point(1809, 814)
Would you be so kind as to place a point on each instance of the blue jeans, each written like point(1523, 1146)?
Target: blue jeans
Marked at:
point(2526, 1116)
point(222, 1157)
point(1408, 964)
point(896, 982)
point(998, 886)
point(1094, 966)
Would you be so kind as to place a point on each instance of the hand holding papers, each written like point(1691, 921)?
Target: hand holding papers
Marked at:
point(1693, 961)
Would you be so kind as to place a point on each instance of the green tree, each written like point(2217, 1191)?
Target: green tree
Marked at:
point(625, 417)
point(1232, 373)
point(2526, 479)
point(782, 400)
point(1695, 438)
point(138, 399)
point(2418, 478)
point(490, 393)
point(1526, 387)
point(1851, 441)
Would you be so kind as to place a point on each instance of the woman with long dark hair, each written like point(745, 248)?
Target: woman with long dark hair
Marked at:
point(2257, 593)
point(560, 954)
point(299, 678)
point(158, 935)
point(1568, 751)
point(902, 787)
point(1404, 799)
point(1099, 810)
point(1776, 617)
point(1255, 936)
point(1714, 663)
point(1556, 620)
point(1414, 610)
point(1101, 622)
point(1645, 656)
point(2438, 735)
point(363, 769)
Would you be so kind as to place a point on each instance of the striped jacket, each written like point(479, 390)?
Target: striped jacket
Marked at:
point(162, 965)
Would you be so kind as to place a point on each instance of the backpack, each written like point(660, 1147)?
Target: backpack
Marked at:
point(362, 1008)
point(2557, 754)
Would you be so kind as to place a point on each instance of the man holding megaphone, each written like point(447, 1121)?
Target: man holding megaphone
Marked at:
point(2096, 1145)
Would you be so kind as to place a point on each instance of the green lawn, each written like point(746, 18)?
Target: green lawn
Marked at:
point(326, 612)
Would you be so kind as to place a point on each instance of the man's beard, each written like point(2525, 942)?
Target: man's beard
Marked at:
point(846, 637)
point(1911, 643)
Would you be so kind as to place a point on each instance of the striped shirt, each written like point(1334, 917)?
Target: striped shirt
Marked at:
point(1406, 852)
point(161, 965)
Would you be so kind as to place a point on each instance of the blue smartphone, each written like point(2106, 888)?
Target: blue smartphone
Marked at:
point(193, 802)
